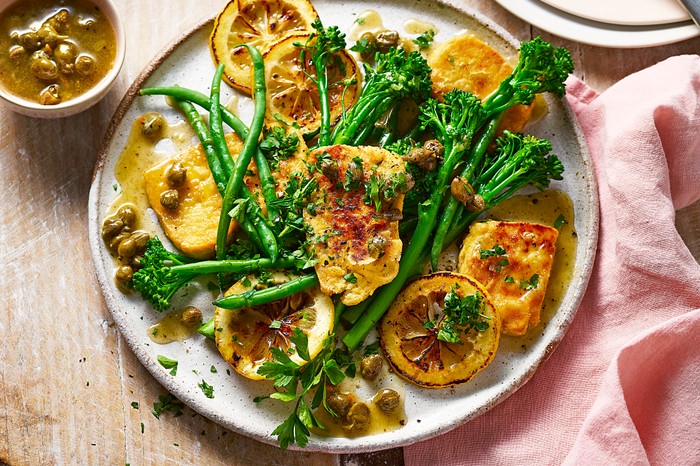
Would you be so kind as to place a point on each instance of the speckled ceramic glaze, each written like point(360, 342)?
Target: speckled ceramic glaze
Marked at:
point(429, 412)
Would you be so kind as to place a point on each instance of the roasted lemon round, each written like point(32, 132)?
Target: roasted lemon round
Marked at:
point(441, 330)
point(260, 23)
point(292, 96)
point(244, 336)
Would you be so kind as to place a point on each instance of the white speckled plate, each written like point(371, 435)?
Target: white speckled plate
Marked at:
point(429, 412)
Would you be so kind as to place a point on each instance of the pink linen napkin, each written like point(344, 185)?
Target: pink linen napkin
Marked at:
point(623, 387)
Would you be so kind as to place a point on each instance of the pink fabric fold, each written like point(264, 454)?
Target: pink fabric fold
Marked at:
point(623, 387)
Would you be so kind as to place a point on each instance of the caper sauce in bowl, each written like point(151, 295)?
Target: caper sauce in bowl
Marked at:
point(52, 52)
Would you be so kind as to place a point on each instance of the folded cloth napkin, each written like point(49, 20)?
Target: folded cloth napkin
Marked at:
point(623, 386)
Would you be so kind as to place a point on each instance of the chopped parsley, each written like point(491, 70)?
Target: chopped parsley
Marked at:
point(353, 175)
point(530, 284)
point(462, 315)
point(372, 348)
point(424, 40)
point(275, 324)
point(213, 370)
point(495, 251)
point(135, 404)
point(167, 403)
point(350, 278)
point(168, 363)
point(277, 145)
point(560, 222)
point(207, 389)
point(509, 279)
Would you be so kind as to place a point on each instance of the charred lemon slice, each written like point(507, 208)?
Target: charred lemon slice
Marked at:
point(256, 22)
point(244, 336)
point(413, 331)
point(292, 96)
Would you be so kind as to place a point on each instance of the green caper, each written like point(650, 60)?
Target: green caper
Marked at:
point(176, 175)
point(48, 35)
point(140, 238)
point(358, 417)
point(111, 227)
point(117, 240)
point(434, 146)
point(127, 248)
point(60, 20)
point(127, 213)
point(65, 53)
point(136, 262)
point(50, 95)
point(377, 246)
point(340, 403)
point(44, 68)
point(30, 41)
point(423, 157)
point(386, 40)
point(329, 168)
point(369, 40)
point(16, 51)
point(371, 366)
point(387, 400)
point(85, 65)
point(170, 199)
point(191, 316)
point(392, 215)
point(123, 275)
point(463, 192)
point(152, 125)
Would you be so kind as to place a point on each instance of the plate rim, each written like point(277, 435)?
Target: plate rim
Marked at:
point(571, 27)
point(592, 209)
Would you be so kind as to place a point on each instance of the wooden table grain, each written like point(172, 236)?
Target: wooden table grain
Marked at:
point(67, 378)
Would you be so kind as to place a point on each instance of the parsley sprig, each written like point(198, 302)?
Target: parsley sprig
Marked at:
point(287, 375)
point(462, 315)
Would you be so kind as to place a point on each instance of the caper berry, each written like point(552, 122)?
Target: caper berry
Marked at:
point(358, 417)
point(176, 175)
point(434, 146)
point(387, 400)
point(371, 366)
point(30, 41)
point(44, 68)
point(340, 403)
point(152, 125)
point(386, 40)
point(191, 316)
point(85, 65)
point(111, 227)
point(65, 53)
point(127, 213)
point(123, 275)
point(50, 95)
point(127, 248)
point(377, 246)
point(170, 199)
point(16, 51)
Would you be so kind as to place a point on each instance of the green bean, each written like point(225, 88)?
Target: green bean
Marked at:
point(353, 313)
point(339, 309)
point(249, 147)
point(207, 329)
point(267, 180)
point(268, 295)
point(200, 128)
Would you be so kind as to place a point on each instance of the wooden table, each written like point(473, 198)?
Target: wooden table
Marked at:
point(67, 379)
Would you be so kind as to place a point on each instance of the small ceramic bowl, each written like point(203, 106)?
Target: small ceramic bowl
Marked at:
point(83, 101)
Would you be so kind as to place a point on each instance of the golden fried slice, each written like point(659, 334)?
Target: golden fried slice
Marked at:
point(358, 248)
point(192, 225)
point(409, 332)
point(464, 62)
point(513, 260)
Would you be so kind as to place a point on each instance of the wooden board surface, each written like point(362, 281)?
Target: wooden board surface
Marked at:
point(67, 379)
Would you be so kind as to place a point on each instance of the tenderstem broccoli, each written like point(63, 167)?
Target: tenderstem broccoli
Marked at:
point(163, 273)
point(397, 75)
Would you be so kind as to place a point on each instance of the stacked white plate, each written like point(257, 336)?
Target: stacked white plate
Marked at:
point(608, 23)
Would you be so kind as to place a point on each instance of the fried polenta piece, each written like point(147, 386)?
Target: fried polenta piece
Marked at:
point(192, 225)
point(464, 62)
point(513, 260)
point(357, 246)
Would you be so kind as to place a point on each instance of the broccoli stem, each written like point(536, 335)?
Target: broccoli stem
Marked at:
point(268, 295)
point(249, 147)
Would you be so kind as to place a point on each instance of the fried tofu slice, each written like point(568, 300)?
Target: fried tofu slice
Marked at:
point(192, 225)
point(513, 261)
point(464, 62)
point(357, 246)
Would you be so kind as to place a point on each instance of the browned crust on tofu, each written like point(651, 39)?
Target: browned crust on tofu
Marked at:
point(529, 249)
point(344, 225)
